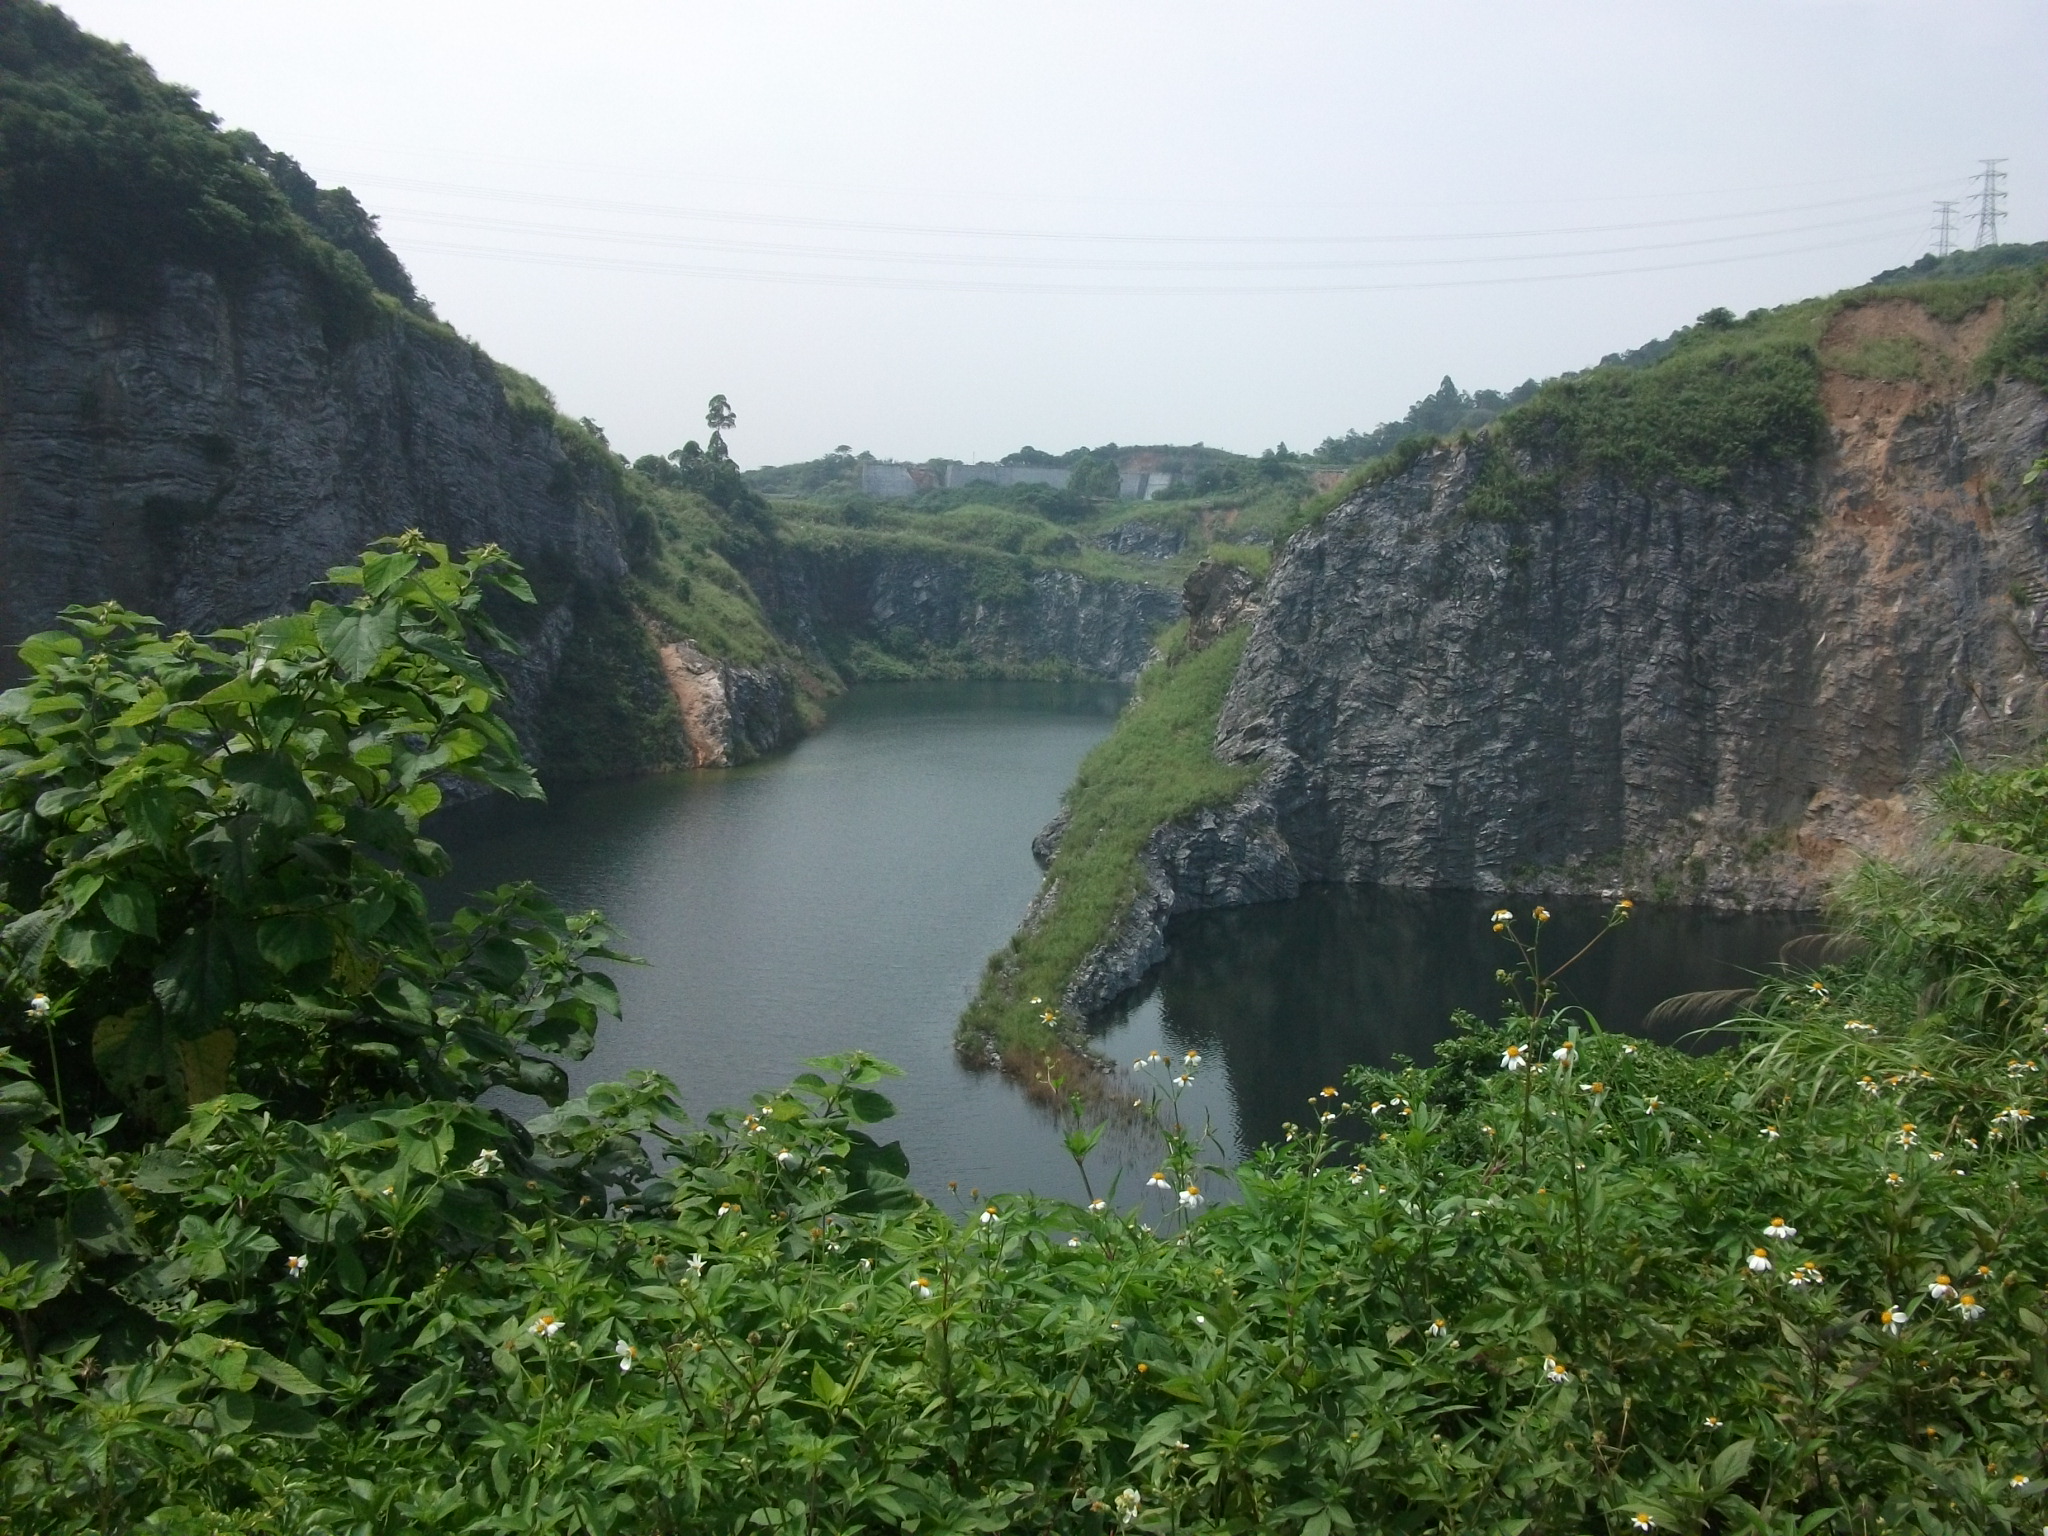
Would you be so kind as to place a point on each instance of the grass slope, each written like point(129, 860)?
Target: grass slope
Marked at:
point(1156, 765)
point(1725, 396)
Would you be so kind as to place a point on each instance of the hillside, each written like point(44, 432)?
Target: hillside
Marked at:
point(1696, 628)
point(217, 382)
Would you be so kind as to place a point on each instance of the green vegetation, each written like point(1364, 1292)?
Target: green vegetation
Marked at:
point(1559, 1281)
point(121, 174)
point(213, 842)
point(1976, 263)
point(1443, 414)
point(1710, 409)
point(1156, 766)
point(1700, 407)
point(610, 710)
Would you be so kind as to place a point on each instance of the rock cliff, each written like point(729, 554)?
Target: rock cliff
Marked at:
point(731, 715)
point(1713, 696)
point(978, 611)
point(207, 458)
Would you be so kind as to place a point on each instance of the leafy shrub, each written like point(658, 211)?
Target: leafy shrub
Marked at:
point(209, 847)
point(121, 174)
point(1698, 417)
point(1559, 1281)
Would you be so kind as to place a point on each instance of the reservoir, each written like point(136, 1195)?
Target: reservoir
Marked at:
point(845, 896)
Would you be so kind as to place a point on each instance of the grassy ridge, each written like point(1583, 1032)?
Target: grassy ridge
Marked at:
point(1156, 765)
point(1726, 395)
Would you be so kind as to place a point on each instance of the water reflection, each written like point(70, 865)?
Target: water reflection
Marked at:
point(1280, 999)
point(845, 896)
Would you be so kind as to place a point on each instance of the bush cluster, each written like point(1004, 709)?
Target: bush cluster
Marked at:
point(1558, 1281)
point(121, 174)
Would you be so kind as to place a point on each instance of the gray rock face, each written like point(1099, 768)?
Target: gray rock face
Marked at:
point(208, 460)
point(1229, 857)
point(1215, 597)
point(731, 715)
point(1707, 697)
point(1715, 699)
point(1148, 541)
point(999, 616)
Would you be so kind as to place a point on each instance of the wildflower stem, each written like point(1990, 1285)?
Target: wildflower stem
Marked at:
point(56, 1072)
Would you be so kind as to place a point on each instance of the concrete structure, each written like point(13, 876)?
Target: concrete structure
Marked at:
point(890, 481)
point(1005, 474)
point(1142, 484)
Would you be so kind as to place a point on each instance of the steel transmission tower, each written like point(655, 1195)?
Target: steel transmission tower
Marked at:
point(1990, 201)
point(1945, 229)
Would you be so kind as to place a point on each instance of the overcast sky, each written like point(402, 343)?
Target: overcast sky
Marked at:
point(951, 229)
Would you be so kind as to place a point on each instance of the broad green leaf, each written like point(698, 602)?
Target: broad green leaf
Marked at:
point(130, 907)
point(868, 1106)
point(356, 638)
point(23, 1102)
point(38, 652)
point(283, 1375)
point(155, 1071)
point(294, 940)
point(271, 785)
point(1729, 1466)
point(87, 947)
point(207, 972)
point(385, 570)
point(286, 1420)
point(152, 811)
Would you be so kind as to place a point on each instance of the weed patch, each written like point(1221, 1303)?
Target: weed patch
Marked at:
point(1157, 765)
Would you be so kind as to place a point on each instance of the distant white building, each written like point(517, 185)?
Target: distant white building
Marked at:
point(890, 481)
point(1005, 474)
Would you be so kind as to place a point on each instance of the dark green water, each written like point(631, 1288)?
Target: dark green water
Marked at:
point(846, 895)
point(1280, 999)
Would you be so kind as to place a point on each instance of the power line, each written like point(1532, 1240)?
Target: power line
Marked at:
point(1990, 201)
point(406, 218)
point(788, 221)
point(1945, 234)
point(962, 285)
